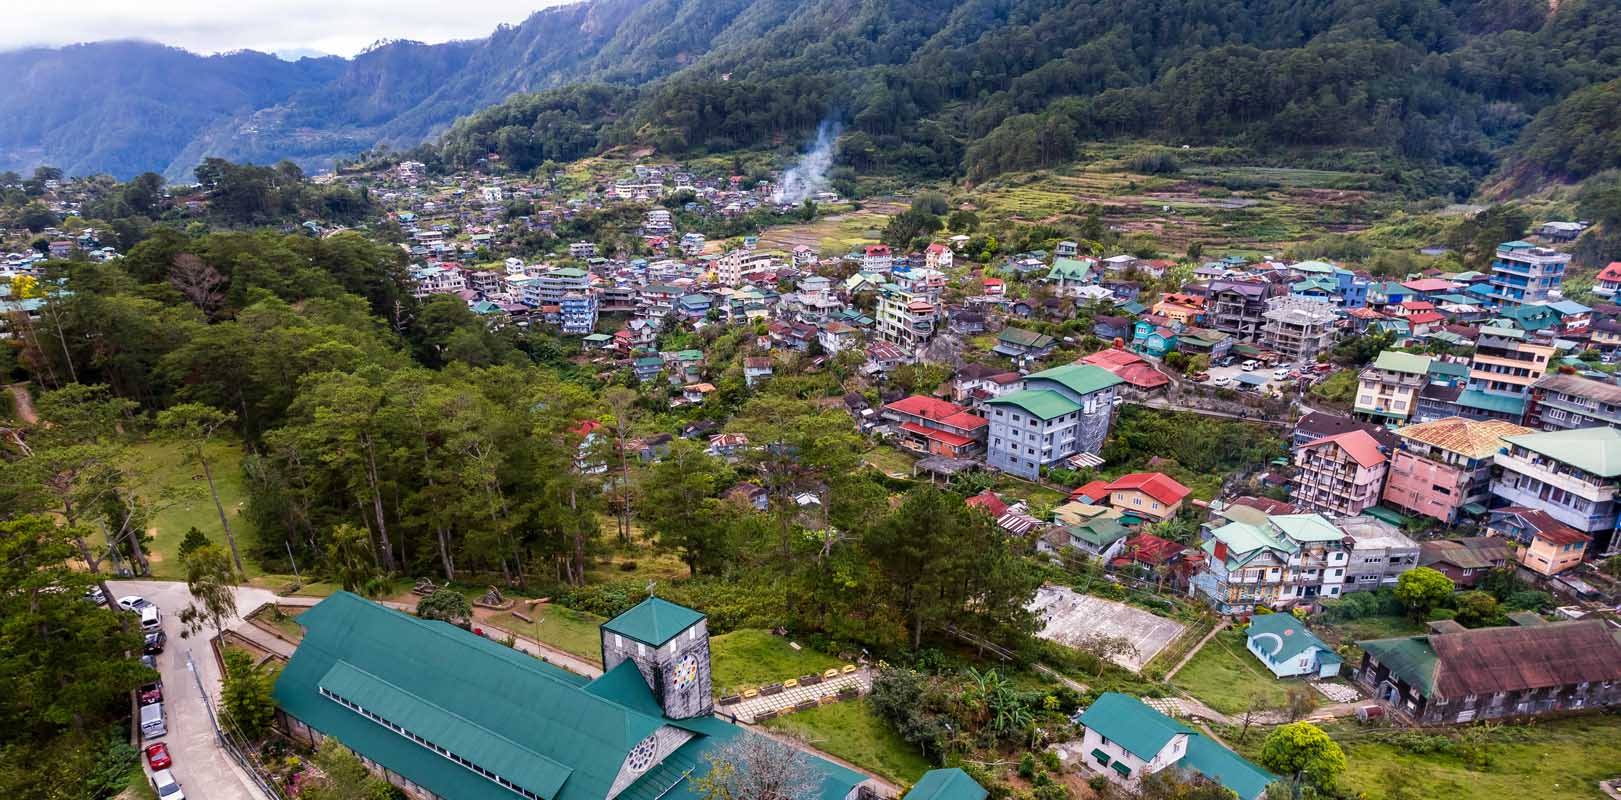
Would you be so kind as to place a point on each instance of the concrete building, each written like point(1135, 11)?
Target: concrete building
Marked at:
point(1525, 273)
point(1560, 402)
point(1298, 328)
point(1541, 543)
point(578, 313)
point(906, 319)
point(1379, 553)
point(1501, 373)
point(1465, 561)
point(1253, 558)
point(1341, 474)
point(1569, 474)
point(1238, 308)
point(932, 426)
point(1443, 468)
point(1056, 414)
point(549, 288)
point(1387, 390)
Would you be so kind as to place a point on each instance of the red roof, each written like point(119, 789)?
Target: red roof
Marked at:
point(1360, 446)
point(1265, 504)
point(1147, 548)
point(1111, 358)
point(1096, 490)
point(935, 434)
point(939, 410)
point(1418, 305)
point(988, 501)
point(1142, 376)
point(877, 250)
point(1546, 526)
point(586, 428)
point(1157, 485)
point(1364, 313)
point(1611, 272)
point(1424, 317)
point(1429, 285)
point(936, 248)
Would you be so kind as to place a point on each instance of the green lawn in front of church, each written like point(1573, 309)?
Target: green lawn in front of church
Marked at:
point(753, 657)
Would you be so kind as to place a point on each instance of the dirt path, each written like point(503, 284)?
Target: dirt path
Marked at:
point(1221, 626)
point(23, 402)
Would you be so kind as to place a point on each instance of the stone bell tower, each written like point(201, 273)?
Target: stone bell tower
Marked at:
point(670, 646)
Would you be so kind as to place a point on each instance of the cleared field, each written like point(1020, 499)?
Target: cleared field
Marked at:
point(171, 483)
point(835, 234)
point(1069, 618)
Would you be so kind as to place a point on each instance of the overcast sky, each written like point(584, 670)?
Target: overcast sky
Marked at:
point(339, 27)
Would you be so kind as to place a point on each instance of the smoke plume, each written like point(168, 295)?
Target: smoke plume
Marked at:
point(809, 176)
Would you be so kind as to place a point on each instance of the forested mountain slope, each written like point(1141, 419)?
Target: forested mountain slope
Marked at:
point(1439, 90)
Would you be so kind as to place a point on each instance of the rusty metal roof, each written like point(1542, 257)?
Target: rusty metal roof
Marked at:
point(1467, 437)
point(1491, 660)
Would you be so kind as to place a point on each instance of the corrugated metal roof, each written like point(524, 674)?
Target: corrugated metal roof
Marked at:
point(653, 621)
point(1467, 437)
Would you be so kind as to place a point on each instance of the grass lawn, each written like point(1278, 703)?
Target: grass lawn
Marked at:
point(890, 461)
point(1548, 760)
point(1374, 628)
point(286, 622)
point(1224, 675)
point(573, 632)
point(174, 486)
point(851, 731)
point(1014, 488)
point(138, 788)
point(751, 657)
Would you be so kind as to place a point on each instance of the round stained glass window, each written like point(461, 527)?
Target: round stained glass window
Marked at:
point(643, 754)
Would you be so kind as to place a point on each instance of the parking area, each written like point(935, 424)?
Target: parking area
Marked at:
point(1069, 618)
point(1228, 377)
point(202, 768)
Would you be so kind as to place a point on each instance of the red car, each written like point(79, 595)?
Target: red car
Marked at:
point(158, 756)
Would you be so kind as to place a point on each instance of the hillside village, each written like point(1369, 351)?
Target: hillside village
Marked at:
point(1412, 522)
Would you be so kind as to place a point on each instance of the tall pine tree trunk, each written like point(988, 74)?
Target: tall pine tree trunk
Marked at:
point(230, 538)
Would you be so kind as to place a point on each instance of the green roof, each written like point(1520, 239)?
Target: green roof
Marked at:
point(1388, 515)
point(1069, 269)
point(567, 272)
point(556, 734)
point(1024, 338)
point(1126, 721)
point(1396, 361)
point(1449, 369)
point(1081, 379)
point(1210, 759)
point(653, 621)
point(1285, 637)
point(946, 784)
point(1243, 538)
point(1488, 401)
point(1043, 403)
point(1596, 450)
point(1409, 658)
point(1100, 531)
point(1307, 527)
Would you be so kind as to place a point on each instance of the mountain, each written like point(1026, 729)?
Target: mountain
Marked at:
point(1434, 92)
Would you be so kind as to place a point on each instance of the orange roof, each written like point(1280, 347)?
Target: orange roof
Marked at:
point(1111, 358)
point(935, 434)
point(1358, 444)
point(1157, 485)
point(1096, 490)
point(1611, 272)
point(939, 410)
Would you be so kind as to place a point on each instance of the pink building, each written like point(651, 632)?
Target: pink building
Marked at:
point(1445, 466)
point(1340, 474)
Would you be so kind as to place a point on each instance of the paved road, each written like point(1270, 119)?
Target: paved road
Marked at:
point(204, 770)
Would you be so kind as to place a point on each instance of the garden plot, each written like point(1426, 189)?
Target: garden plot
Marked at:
point(1070, 618)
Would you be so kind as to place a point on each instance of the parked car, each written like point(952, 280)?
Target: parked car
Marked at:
point(157, 755)
point(95, 595)
point(1222, 380)
point(155, 642)
point(1323, 368)
point(133, 603)
point(151, 693)
point(1280, 374)
point(1200, 377)
point(1250, 365)
point(150, 662)
point(168, 788)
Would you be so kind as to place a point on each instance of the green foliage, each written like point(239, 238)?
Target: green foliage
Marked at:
point(446, 605)
point(248, 707)
point(1422, 589)
point(193, 540)
point(344, 777)
point(1303, 751)
point(1576, 137)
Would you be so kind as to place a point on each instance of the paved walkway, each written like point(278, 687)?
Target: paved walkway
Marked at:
point(200, 764)
point(785, 701)
point(1220, 626)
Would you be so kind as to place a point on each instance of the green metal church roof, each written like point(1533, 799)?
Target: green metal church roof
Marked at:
point(653, 621)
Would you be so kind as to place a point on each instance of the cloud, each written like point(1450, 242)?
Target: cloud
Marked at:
point(340, 27)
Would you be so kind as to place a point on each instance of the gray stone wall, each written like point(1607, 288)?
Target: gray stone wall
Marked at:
point(678, 672)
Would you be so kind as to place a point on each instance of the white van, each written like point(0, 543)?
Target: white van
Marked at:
point(153, 722)
point(151, 619)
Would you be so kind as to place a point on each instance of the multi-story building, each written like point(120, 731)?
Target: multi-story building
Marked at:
point(1237, 308)
point(936, 427)
point(1501, 373)
point(578, 313)
point(1056, 414)
point(1525, 273)
point(1608, 281)
point(938, 256)
point(1298, 328)
point(1387, 390)
point(1342, 474)
point(1443, 468)
point(1562, 401)
point(582, 250)
point(877, 258)
point(549, 288)
point(1570, 474)
point(1380, 553)
point(906, 319)
point(1256, 559)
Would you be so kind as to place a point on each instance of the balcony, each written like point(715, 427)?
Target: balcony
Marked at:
point(1585, 489)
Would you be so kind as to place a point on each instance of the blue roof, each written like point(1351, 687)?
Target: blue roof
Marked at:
point(1496, 403)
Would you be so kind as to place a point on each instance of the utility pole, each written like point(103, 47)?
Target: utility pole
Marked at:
point(207, 703)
